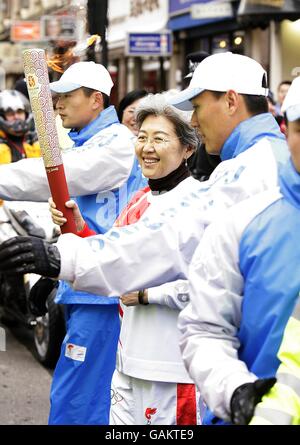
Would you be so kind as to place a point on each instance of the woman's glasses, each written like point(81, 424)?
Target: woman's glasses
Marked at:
point(156, 142)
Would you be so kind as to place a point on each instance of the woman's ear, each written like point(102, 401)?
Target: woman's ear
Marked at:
point(188, 151)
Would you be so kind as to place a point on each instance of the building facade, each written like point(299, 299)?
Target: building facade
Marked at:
point(165, 32)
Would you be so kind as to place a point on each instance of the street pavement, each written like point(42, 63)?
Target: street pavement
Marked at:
point(24, 382)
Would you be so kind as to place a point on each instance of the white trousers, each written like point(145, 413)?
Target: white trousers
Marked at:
point(142, 402)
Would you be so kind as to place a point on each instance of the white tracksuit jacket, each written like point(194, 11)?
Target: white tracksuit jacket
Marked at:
point(149, 339)
point(88, 168)
point(159, 249)
point(244, 283)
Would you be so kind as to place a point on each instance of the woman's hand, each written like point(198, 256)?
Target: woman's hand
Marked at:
point(132, 299)
point(58, 217)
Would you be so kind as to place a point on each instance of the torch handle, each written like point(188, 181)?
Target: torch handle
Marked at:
point(59, 192)
point(37, 79)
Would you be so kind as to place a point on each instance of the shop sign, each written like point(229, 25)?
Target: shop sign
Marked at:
point(139, 7)
point(177, 7)
point(211, 10)
point(149, 44)
point(139, 16)
point(25, 31)
point(272, 3)
point(255, 11)
point(59, 27)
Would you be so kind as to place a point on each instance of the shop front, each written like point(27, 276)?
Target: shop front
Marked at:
point(138, 45)
point(203, 26)
point(267, 30)
point(281, 19)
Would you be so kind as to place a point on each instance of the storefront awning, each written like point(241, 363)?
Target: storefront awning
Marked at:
point(189, 14)
point(256, 11)
point(185, 21)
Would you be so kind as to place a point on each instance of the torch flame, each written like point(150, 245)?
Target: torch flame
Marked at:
point(59, 61)
point(92, 39)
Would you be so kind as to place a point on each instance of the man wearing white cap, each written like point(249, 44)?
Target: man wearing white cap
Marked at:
point(281, 406)
point(80, 392)
point(244, 283)
point(228, 95)
point(27, 180)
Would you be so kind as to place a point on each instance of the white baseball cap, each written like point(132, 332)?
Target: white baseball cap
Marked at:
point(84, 74)
point(291, 103)
point(223, 72)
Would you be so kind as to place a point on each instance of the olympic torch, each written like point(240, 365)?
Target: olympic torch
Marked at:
point(36, 72)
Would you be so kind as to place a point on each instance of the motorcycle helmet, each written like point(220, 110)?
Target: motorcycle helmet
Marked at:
point(12, 100)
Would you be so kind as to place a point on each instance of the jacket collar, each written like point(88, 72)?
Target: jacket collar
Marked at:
point(289, 180)
point(248, 132)
point(106, 118)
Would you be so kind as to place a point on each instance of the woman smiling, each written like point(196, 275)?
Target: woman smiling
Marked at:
point(150, 384)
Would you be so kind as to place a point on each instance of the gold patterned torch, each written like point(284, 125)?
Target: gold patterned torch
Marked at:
point(37, 79)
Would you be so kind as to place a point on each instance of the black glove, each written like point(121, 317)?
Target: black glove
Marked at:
point(246, 397)
point(28, 254)
point(39, 293)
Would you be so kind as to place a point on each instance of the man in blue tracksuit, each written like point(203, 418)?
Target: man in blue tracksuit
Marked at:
point(80, 392)
point(244, 284)
point(103, 173)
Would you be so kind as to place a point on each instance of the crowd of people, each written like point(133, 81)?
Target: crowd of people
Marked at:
point(181, 293)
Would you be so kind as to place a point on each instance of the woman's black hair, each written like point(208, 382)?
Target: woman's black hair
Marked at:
point(128, 99)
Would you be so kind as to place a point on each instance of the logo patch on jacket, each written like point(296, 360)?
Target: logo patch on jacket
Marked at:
point(149, 412)
point(75, 352)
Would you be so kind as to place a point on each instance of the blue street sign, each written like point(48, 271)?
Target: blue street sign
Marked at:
point(149, 44)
